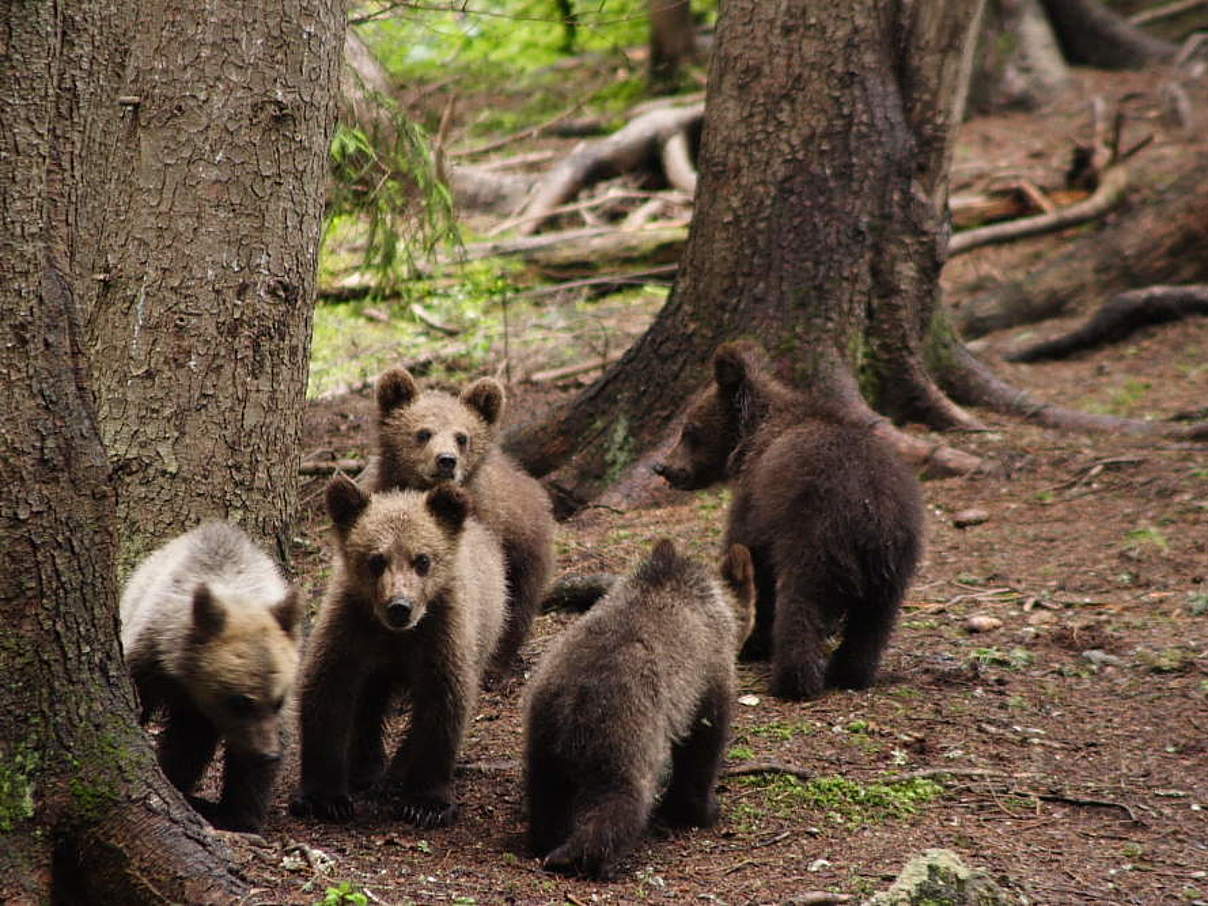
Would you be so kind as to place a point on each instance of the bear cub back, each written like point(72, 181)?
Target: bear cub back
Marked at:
point(644, 678)
point(209, 628)
point(832, 516)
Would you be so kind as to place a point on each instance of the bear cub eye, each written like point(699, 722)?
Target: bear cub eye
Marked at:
point(462, 440)
point(423, 435)
point(377, 564)
point(422, 564)
point(242, 705)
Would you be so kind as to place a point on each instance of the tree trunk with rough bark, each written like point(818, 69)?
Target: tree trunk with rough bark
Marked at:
point(819, 230)
point(85, 814)
point(1018, 63)
point(672, 42)
point(200, 329)
point(1093, 35)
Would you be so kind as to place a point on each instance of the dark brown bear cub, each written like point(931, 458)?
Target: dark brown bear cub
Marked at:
point(832, 517)
point(416, 605)
point(429, 437)
point(645, 678)
point(209, 630)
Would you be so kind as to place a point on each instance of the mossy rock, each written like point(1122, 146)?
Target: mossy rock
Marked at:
point(939, 878)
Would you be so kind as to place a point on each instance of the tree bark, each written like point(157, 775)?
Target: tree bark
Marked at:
point(1161, 240)
point(819, 229)
point(672, 42)
point(1018, 63)
point(200, 330)
point(85, 815)
point(1092, 35)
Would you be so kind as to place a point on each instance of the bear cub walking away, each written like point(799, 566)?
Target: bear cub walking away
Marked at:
point(210, 634)
point(832, 517)
point(430, 437)
point(644, 678)
point(416, 605)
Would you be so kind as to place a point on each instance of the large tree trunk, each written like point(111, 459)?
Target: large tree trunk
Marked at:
point(1093, 35)
point(1018, 64)
point(1162, 240)
point(819, 227)
point(200, 330)
point(672, 41)
point(85, 814)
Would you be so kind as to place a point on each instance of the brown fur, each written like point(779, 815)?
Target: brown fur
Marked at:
point(645, 677)
point(833, 519)
point(210, 633)
point(428, 437)
point(416, 606)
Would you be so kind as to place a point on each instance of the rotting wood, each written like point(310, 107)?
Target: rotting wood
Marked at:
point(551, 375)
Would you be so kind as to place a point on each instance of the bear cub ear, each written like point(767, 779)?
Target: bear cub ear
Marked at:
point(730, 364)
point(288, 612)
point(345, 503)
point(395, 388)
point(449, 506)
point(209, 616)
point(485, 396)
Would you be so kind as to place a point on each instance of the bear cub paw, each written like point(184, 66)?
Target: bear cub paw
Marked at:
point(425, 812)
point(676, 812)
point(322, 807)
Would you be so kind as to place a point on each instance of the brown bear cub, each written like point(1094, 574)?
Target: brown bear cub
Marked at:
point(210, 634)
point(430, 437)
point(644, 678)
point(832, 517)
point(416, 605)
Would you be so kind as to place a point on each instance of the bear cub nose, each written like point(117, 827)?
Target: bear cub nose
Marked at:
point(398, 613)
point(446, 463)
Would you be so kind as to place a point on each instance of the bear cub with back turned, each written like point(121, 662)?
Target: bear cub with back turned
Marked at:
point(429, 437)
point(644, 678)
point(210, 634)
point(832, 517)
point(416, 606)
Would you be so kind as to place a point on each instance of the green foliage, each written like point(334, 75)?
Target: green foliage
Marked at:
point(389, 178)
point(740, 753)
point(344, 894)
point(1149, 535)
point(846, 802)
point(782, 730)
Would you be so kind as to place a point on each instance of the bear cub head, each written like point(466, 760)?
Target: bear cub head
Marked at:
point(721, 419)
point(429, 437)
point(239, 665)
point(398, 548)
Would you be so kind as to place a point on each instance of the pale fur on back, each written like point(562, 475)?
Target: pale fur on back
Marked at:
point(626, 680)
point(156, 606)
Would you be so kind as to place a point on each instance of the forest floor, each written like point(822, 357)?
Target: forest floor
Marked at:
point(1063, 748)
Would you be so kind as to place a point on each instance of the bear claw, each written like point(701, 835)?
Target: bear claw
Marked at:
point(325, 808)
point(425, 812)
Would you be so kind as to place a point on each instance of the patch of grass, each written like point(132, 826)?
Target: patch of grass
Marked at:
point(740, 753)
point(782, 730)
point(1014, 659)
point(1197, 603)
point(1124, 400)
point(845, 802)
point(1168, 660)
point(1148, 535)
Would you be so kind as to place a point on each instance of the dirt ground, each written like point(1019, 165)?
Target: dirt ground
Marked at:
point(1063, 749)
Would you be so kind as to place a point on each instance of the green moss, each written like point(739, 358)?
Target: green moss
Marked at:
point(18, 766)
point(619, 450)
point(845, 802)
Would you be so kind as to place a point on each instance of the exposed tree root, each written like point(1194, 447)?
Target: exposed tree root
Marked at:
point(578, 592)
point(1119, 318)
point(642, 138)
point(970, 382)
point(1092, 34)
point(1109, 194)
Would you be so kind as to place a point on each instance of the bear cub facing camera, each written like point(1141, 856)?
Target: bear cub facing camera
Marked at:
point(429, 437)
point(416, 606)
point(832, 517)
point(644, 678)
point(210, 634)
